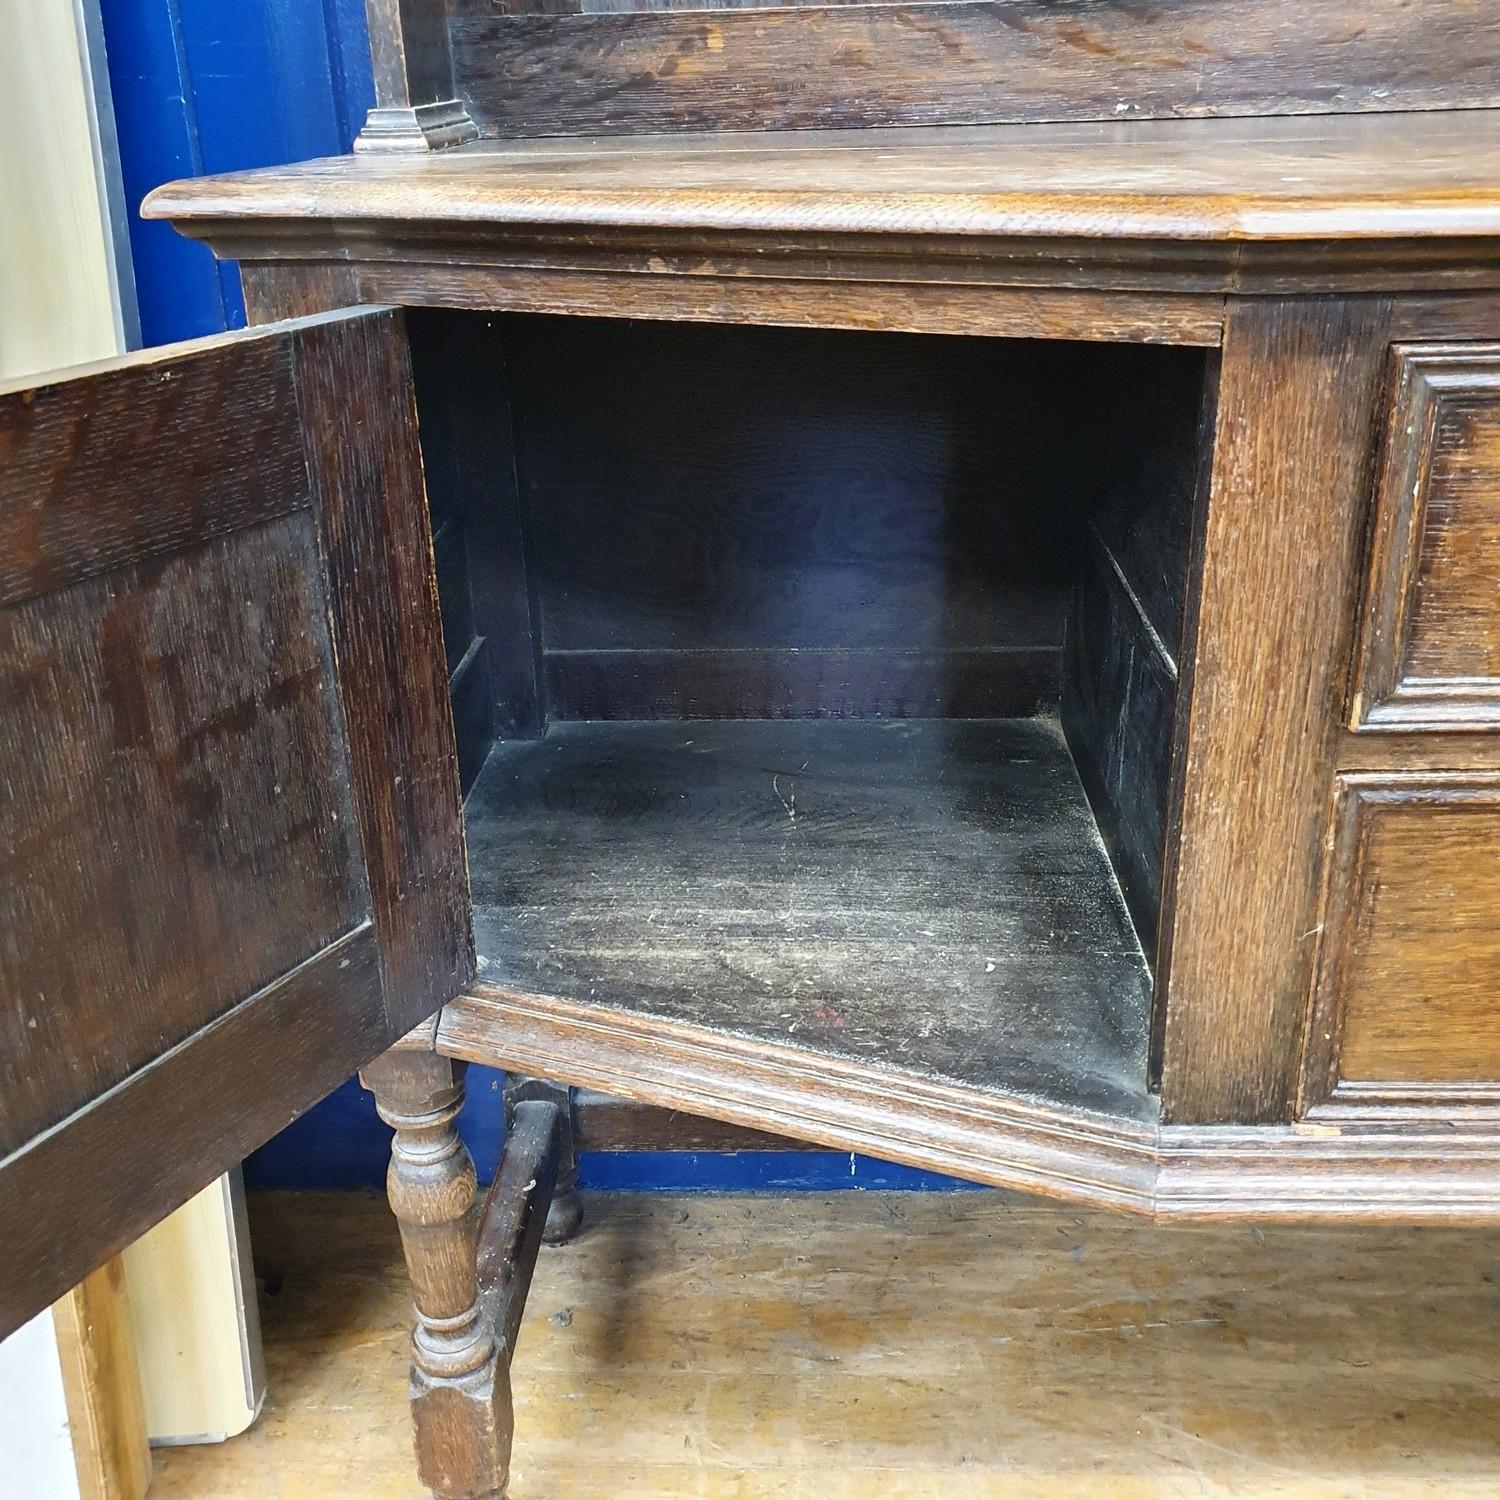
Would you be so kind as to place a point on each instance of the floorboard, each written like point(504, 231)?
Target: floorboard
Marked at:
point(874, 1346)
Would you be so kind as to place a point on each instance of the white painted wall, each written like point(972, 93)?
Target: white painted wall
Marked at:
point(34, 1433)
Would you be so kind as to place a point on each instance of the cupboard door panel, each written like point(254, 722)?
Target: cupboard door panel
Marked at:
point(230, 859)
point(1429, 654)
point(1406, 1004)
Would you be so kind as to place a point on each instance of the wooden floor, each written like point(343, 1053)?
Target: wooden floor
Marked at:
point(889, 1347)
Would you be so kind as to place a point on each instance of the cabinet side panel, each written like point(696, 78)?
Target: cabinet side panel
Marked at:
point(1125, 623)
point(485, 589)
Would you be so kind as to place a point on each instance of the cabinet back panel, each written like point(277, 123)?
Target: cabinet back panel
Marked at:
point(773, 522)
point(584, 67)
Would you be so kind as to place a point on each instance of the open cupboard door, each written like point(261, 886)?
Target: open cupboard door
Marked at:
point(231, 856)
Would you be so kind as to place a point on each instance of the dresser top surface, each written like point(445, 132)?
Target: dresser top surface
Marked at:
point(1312, 177)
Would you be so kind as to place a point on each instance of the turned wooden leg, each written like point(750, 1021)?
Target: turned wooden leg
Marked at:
point(460, 1378)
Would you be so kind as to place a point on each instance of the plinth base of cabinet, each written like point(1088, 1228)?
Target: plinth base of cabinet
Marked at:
point(1418, 1172)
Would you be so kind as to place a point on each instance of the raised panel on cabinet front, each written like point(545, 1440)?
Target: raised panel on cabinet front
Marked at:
point(1429, 654)
point(1406, 1002)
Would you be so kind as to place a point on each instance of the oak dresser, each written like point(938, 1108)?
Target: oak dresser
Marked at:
point(917, 577)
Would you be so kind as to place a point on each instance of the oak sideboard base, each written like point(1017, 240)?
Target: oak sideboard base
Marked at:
point(925, 604)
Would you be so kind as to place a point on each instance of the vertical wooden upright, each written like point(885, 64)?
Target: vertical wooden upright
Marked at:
point(1280, 549)
point(416, 104)
point(106, 1416)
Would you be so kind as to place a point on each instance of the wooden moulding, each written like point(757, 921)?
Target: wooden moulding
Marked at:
point(1428, 657)
point(890, 296)
point(1171, 208)
point(788, 1091)
point(1298, 1172)
point(1402, 1016)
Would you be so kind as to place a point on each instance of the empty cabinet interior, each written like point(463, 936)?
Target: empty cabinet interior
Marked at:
point(817, 686)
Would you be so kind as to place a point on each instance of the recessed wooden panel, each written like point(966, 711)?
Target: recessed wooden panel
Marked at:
point(179, 829)
point(1429, 655)
point(523, 68)
point(1406, 1003)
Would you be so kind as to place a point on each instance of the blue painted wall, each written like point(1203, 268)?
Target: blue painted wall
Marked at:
point(215, 86)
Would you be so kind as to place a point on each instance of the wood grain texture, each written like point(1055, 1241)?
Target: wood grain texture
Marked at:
point(102, 1387)
point(1422, 1171)
point(176, 767)
point(459, 1392)
point(355, 395)
point(893, 1112)
point(653, 288)
point(409, 52)
point(621, 68)
point(984, 682)
point(1405, 996)
point(1119, 700)
point(602, 1122)
point(1268, 650)
point(517, 1209)
point(733, 1348)
point(464, 380)
point(262, 1063)
point(563, 1216)
point(769, 522)
point(1429, 649)
point(81, 461)
point(1144, 471)
point(919, 894)
point(213, 781)
point(412, 63)
point(276, 293)
point(1378, 202)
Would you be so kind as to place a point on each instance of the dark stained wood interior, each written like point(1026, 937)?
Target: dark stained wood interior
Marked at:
point(683, 540)
point(1147, 439)
point(926, 895)
point(760, 523)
